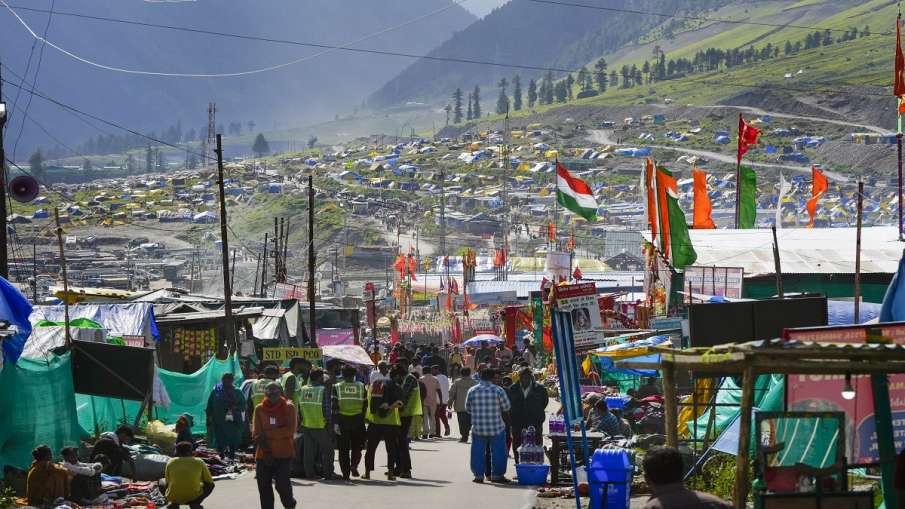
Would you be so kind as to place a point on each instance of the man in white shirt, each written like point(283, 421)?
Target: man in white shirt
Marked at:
point(381, 373)
point(444, 396)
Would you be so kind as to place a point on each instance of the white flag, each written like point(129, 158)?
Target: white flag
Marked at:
point(784, 188)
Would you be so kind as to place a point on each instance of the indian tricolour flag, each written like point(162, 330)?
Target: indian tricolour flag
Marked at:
point(574, 194)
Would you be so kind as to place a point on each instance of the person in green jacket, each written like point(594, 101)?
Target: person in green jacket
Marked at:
point(411, 395)
point(317, 426)
point(294, 379)
point(225, 417)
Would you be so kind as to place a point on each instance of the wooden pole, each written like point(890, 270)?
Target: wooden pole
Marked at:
point(858, 254)
point(286, 251)
point(232, 341)
point(899, 164)
point(56, 218)
point(276, 250)
point(311, 261)
point(777, 263)
point(264, 268)
point(744, 438)
point(670, 408)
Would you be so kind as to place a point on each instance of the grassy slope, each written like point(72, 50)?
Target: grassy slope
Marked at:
point(863, 62)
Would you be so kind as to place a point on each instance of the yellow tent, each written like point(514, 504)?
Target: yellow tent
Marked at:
point(551, 154)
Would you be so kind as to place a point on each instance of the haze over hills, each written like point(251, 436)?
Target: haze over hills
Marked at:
point(530, 34)
point(482, 8)
point(309, 91)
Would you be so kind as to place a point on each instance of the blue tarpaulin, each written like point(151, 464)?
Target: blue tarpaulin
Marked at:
point(15, 309)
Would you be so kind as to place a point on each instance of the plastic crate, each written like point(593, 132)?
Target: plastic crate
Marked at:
point(532, 474)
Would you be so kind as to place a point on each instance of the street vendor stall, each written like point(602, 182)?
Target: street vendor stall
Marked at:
point(859, 350)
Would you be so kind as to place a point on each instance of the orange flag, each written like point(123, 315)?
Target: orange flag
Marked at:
point(399, 266)
point(551, 232)
point(818, 189)
point(702, 206)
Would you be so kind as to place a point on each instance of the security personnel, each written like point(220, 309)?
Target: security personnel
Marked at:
point(411, 411)
point(294, 379)
point(259, 389)
point(350, 403)
point(316, 428)
point(384, 402)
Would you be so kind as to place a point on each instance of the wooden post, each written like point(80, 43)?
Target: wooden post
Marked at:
point(312, 259)
point(232, 341)
point(777, 264)
point(670, 408)
point(885, 437)
point(744, 438)
point(56, 217)
point(858, 254)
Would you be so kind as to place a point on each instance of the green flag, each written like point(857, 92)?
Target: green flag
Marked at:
point(747, 198)
point(681, 250)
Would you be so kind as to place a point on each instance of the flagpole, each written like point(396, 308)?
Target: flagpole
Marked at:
point(556, 203)
point(738, 171)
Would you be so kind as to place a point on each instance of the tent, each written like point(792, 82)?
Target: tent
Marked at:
point(133, 319)
point(353, 354)
point(204, 217)
point(634, 351)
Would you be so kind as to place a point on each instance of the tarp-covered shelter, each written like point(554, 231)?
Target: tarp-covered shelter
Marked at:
point(129, 322)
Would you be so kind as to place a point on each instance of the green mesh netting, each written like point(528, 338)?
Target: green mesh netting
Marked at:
point(188, 394)
point(624, 382)
point(79, 323)
point(36, 407)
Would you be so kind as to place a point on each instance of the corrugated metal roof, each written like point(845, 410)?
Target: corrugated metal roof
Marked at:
point(801, 250)
point(524, 284)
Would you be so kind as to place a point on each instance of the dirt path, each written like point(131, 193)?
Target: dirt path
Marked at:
point(602, 137)
point(845, 123)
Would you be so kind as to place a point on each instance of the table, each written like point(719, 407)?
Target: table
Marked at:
point(559, 441)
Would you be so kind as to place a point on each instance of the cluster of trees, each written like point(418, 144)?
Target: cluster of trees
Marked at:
point(591, 82)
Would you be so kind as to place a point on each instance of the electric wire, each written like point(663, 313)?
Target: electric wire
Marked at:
point(34, 81)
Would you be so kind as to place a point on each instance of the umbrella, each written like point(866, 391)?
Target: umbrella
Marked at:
point(480, 338)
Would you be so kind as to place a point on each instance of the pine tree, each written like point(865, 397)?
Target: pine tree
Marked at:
point(548, 87)
point(36, 165)
point(614, 79)
point(561, 93)
point(149, 162)
point(646, 70)
point(532, 93)
point(502, 102)
point(626, 76)
point(570, 82)
point(517, 93)
point(260, 146)
point(469, 115)
point(457, 106)
point(476, 97)
point(600, 75)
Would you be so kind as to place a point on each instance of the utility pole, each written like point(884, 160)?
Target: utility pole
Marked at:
point(443, 211)
point(286, 251)
point(311, 261)
point(858, 254)
point(276, 250)
point(4, 261)
point(56, 218)
point(224, 252)
point(34, 270)
point(264, 268)
point(506, 209)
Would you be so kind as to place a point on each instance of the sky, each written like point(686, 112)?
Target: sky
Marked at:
point(481, 8)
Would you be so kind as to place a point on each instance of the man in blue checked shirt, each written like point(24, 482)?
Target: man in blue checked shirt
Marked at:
point(488, 405)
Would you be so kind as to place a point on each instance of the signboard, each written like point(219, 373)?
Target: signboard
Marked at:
point(820, 393)
point(327, 337)
point(580, 301)
point(287, 291)
point(482, 326)
point(284, 354)
point(721, 281)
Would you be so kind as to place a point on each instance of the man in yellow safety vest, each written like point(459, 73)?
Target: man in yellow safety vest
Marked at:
point(317, 429)
point(294, 379)
point(384, 402)
point(411, 395)
point(350, 403)
point(259, 388)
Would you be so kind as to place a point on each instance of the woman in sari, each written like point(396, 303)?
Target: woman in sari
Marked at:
point(224, 416)
point(47, 481)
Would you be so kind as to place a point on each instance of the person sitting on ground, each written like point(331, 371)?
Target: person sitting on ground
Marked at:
point(46, 481)
point(625, 428)
point(603, 421)
point(86, 480)
point(188, 480)
point(183, 429)
point(663, 470)
point(111, 446)
point(648, 389)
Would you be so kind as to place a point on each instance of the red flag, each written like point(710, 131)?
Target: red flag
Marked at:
point(576, 275)
point(702, 206)
point(449, 301)
point(665, 182)
point(571, 244)
point(818, 189)
point(498, 258)
point(399, 265)
point(898, 88)
point(551, 232)
point(747, 136)
point(413, 267)
point(650, 192)
point(454, 284)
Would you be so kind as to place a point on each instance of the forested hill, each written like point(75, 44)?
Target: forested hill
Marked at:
point(529, 33)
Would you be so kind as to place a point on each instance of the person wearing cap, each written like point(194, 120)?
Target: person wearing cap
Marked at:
point(350, 403)
point(317, 427)
point(381, 373)
point(188, 480)
point(294, 379)
point(273, 432)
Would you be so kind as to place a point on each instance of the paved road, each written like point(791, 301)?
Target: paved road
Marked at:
point(441, 481)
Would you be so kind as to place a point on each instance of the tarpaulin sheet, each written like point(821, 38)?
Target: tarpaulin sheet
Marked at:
point(348, 353)
point(132, 319)
point(15, 309)
point(768, 396)
point(187, 393)
point(36, 407)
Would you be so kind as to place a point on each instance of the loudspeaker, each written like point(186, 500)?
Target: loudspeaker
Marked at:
point(24, 188)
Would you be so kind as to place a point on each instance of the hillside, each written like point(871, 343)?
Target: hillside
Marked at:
point(530, 34)
point(310, 91)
